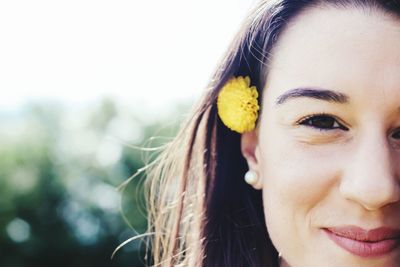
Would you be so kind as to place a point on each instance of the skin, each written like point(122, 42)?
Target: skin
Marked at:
point(313, 179)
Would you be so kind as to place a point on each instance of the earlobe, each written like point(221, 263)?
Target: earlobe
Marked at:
point(250, 151)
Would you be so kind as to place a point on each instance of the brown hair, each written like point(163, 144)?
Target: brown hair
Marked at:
point(200, 210)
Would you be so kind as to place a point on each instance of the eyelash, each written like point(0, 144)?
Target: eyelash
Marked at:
point(324, 115)
point(321, 115)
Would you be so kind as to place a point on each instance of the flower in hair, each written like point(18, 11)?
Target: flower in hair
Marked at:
point(238, 105)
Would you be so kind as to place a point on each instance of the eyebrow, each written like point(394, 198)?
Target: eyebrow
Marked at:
point(315, 93)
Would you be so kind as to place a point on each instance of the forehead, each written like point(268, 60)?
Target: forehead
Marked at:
point(350, 50)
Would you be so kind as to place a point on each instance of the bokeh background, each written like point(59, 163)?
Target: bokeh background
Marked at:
point(85, 86)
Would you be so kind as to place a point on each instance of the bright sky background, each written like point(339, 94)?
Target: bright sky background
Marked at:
point(146, 53)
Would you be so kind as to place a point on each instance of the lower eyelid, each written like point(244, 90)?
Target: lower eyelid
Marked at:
point(322, 129)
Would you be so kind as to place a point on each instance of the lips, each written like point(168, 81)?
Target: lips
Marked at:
point(365, 243)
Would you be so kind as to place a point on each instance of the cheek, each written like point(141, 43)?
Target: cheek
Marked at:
point(298, 175)
point(297, 182)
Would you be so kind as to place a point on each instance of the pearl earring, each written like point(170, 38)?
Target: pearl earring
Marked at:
point(251, 177)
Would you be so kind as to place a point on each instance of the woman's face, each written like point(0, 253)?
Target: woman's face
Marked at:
point(329, 179)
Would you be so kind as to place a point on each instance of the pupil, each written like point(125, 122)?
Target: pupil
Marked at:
point(323, 122)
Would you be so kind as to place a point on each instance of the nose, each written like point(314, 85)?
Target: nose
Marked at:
point(370, 179)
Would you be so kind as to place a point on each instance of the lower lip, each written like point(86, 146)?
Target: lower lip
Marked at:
point(364, 249)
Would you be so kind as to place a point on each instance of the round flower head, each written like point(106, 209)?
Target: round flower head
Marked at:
point(237, 104)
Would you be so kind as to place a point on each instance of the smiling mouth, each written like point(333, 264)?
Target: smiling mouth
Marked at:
point(373, 243)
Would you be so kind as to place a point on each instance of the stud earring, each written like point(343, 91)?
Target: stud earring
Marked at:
point(251, 177)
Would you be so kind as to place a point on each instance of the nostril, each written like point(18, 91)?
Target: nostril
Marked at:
point(372, 179)
point(370, 192)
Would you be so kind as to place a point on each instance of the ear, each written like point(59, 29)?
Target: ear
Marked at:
point(250, 151)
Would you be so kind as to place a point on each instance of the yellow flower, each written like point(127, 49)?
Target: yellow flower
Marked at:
point(237, 104)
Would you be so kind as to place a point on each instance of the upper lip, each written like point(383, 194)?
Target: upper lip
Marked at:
point(360, 234)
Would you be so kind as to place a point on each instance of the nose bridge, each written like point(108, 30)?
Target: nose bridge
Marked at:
point(370, 178)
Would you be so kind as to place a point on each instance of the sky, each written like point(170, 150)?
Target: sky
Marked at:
point(146, 54)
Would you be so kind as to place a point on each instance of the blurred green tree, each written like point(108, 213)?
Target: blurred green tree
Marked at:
point(59, 170)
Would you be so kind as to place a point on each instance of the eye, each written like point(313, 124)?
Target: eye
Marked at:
point(322, 122)
point(396, 135)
